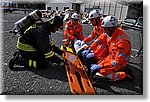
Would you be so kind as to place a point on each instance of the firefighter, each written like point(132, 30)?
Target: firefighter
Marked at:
point(73, 30)
point(111, 52)
point(95, 18)
point(35, 48)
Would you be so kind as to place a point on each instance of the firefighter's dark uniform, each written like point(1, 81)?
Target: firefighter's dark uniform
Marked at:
point(35, 46)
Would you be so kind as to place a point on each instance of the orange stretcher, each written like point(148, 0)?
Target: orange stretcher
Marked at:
point(79, 81)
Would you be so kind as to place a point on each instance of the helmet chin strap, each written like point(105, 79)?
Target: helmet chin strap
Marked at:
point(97, 21)
point(111, 31)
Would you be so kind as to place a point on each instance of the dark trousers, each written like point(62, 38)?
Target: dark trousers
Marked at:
point(86, 61)
point(32, 58)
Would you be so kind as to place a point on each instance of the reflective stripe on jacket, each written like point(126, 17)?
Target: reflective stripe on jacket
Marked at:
point(36, 38)
point(49, 54)
point(25, 47)
point(119, 51)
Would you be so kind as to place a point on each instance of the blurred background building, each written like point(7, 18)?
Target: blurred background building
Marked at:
point(120, 8)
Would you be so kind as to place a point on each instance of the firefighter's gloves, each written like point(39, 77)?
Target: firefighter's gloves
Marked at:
point(85, 52)
point(95, 67)
point(90, 55)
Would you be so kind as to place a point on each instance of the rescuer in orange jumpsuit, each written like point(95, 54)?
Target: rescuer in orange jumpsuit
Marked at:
point(94, 17)
point(73, 30)
point(111, 52)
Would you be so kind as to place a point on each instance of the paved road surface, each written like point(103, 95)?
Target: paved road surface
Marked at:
point(53, 80)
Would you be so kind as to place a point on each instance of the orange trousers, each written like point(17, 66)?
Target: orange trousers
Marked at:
point(112, 75)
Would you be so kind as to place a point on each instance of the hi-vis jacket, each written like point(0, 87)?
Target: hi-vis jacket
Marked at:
point(36, 39)
point(96, 32)
point(73, 31)
point(112, 53)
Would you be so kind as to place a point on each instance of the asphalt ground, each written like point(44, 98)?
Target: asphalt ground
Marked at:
point(53, 80)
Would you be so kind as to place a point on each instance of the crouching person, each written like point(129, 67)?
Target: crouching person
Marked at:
point(35, 48)
point(108, 55)
point(113, 52)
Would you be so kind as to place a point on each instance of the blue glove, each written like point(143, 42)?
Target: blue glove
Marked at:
point(85, 52)
point(95, 67)
point(90, 55)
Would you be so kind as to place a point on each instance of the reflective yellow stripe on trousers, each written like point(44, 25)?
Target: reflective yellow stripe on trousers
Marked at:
point(32, 63)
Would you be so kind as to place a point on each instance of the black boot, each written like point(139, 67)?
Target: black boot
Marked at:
point(17, 61)
point(129, 73)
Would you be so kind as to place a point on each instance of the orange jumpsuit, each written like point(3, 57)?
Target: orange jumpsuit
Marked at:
point(73, 31)
point(99, 47)
point(112, 54)
point(97, 30)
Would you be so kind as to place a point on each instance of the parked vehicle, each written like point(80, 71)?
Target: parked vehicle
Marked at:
point(139, 23)
point(128, 23)
point(8, 6)
point(132, 23)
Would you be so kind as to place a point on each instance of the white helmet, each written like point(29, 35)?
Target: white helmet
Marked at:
point(94, 14)
point(75, 16)
point(110, 21)
point(78, 45)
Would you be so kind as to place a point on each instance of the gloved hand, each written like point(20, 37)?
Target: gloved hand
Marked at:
point(95, 67)
point(57, 50)
point(66, 42)
point(85, 52)
point(90, 55)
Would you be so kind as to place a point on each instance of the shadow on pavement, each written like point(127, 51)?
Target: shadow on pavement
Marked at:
point(52, 72)
point(135, 86)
